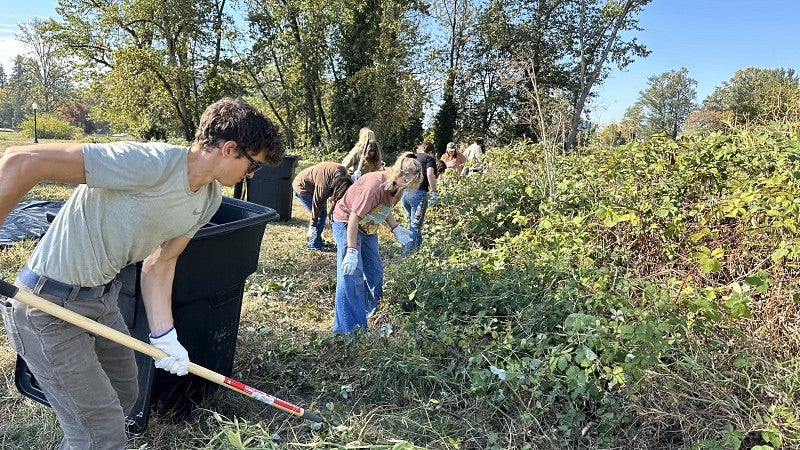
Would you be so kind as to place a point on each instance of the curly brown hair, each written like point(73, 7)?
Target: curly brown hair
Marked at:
point(230, 119)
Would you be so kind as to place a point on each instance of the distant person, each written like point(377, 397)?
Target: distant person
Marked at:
point(314, 186)
point(453, 159)
point(416, 202)
point(134, 201)
point(440, 168)
point(365, 156)
point(359, 269)
point(473, 153)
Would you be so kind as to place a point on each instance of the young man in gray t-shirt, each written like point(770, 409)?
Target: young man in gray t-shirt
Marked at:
point(134, 202)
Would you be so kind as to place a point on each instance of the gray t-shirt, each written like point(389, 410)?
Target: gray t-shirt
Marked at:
point(136, 197)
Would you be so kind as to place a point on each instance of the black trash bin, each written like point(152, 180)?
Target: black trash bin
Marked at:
point(206, 304)
point(272, 186)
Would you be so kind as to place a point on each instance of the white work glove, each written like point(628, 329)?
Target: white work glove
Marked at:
point(402, 234)
point(177, 361)
point(432, 198)
point(312, 232)
point(350, 261)
point(356, 175)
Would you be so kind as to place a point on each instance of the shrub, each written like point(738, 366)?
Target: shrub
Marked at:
point(50, 126)
point(644, 254)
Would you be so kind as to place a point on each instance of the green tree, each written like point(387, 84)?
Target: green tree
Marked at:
point(456, 20)
point(515, 54)
point(48, 64)
point(634, 118)
point(152, 60)
point(758, 96)
point(288, 61)
point(552, 49)
point(597, 39)
point(351, 108)
point(667, 101)
point(487, 102)
point(374, 84)
point(20, 92)
point(705, 121)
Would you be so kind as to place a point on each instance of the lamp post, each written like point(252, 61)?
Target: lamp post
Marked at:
point(35, 132)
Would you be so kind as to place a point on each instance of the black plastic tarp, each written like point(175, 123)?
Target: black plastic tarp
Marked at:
point(28, 221)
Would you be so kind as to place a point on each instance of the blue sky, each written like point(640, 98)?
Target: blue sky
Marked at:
point(711, 38)
point(13, 13)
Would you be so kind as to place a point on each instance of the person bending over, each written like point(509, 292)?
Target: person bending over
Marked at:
point(134, 201)
point(359, 270)
point(314, 186)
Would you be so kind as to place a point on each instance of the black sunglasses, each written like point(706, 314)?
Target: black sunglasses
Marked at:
point(254, 165)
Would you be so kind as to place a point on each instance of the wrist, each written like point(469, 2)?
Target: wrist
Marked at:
point(162, 334)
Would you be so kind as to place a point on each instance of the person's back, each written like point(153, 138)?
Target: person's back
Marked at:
point(473, 154)
point(474, 151)
point(313, 186)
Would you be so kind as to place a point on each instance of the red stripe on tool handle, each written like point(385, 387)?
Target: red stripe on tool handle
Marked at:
point(252, 392)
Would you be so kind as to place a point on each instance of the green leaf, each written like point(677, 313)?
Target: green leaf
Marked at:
point(563, 362)
point(590, 355)
point(741, 363)
point(754, 281)
point(710, 265)
point(737, 305)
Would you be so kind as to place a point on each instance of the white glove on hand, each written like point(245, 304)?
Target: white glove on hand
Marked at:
point(356, 175)
point(432, 198)
point(402, 234)
point(177, 359)
point(350, 261)
point(312, 232)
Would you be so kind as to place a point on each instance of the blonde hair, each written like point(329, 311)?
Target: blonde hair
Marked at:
point(407, 165)
point(364, 135)
point(366, 142)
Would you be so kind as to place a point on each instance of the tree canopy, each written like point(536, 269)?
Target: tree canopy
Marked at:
point(666, 103)
point(503, 70)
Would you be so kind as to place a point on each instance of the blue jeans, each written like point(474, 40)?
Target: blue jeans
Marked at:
point(359, 293)
point(315, 242)
point(415, 203)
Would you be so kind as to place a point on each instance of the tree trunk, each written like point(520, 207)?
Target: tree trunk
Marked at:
point(587, 80)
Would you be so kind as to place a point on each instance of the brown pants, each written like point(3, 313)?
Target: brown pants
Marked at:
point(90, 382)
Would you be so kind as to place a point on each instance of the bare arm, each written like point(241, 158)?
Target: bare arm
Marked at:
point(158, 273)
point(431, 173)
point(22, 167)
point(391, 222)
point(352, 229)
point(350, 162)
